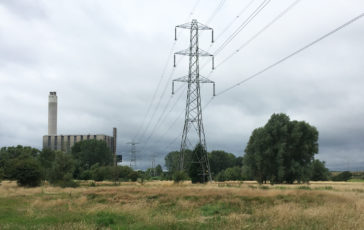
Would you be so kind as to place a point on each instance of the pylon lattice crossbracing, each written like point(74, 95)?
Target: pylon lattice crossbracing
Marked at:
point(193, 130)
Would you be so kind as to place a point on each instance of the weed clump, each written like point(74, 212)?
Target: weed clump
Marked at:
point(105, 219)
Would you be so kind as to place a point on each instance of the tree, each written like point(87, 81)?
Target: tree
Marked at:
point(195, 172)
point(62, 170)
point(282, 150)
point(28, 172)
point(158, 170)
point(318, 171)
point(9, 156)
point(172, 161)
point(90, 152)
point(234, 173)
point(46, 158)
point(179, 176)
point(220, 160)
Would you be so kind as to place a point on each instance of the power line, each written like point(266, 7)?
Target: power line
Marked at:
point(162, 116)
point(242, 26)
point(259, 32)
point(221, 4)
point(158, 104)
point(292, 54)
point(245, 44)
point(233, 21)
point(137, 135)
point(193, 9)
point(174, 122)
point(159, 101)
point(156, 90)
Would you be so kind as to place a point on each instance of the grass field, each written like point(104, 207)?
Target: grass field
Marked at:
point(164, 205)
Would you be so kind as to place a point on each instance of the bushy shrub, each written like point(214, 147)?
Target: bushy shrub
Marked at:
point(318, 171)
point(1, 174)
point(67, 181)
point(86, 175)
point(234, 173)
point(133, 176)
point(28, 172)
point(221, 176)
point(179, 176)
point(344, 176)
point(62, 170)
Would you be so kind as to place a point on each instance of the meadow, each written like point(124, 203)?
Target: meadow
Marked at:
point(165, 205)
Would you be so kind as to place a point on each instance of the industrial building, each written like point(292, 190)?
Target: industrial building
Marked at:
point(65, 142)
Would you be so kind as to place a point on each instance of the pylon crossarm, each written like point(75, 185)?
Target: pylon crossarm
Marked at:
point(187, 52)
point(182, 79)
point(205, 80)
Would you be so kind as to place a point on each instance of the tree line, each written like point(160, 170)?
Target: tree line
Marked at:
point(88, 160)
point(282, 151)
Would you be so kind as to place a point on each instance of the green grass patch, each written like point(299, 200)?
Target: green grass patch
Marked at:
point(356, 180)
point(324, 188)
point(264, 187)
point(304, 187)
point(215, 209)
point(280, 187)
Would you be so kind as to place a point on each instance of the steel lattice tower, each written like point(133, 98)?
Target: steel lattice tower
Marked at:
point(193, 130)
point(132, 154)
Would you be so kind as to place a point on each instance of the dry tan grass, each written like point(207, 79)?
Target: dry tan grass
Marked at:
point(328, 205)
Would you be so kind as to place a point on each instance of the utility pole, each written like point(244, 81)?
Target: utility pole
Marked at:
point(132, 154)
point(153, 166)
point(193, 130)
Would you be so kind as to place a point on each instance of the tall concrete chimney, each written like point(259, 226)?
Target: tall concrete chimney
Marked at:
point(52, 113)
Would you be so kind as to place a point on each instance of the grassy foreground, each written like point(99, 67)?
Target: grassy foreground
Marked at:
point(164, 205)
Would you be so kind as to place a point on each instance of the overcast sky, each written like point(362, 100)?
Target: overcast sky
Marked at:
point(105, 59)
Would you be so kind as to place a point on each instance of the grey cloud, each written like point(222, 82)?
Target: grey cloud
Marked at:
point(105, 59)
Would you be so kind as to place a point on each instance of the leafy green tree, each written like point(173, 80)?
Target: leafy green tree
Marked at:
point(221, 176)
point(28, 172)
point(158, 170)
point(239, 162)
point(46, 158)
point(1, 174)
point(172, 161)
point(234, 173)
point(195, 172)
point(90, 152)
point(220, 160)
point(62, 169)
point(282, 150)
point(318, 171)
point(9, 156)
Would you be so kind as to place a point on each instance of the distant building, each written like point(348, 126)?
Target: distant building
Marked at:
point(65, 142)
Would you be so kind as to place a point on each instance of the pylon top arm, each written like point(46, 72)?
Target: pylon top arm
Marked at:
point(195, 25)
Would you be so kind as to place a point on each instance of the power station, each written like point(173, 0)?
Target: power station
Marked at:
point(65, 142)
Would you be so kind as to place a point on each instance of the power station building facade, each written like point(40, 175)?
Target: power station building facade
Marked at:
point(65, 142)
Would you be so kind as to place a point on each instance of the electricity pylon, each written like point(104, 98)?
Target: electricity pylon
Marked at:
point(193, 130)
point(132, 154)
